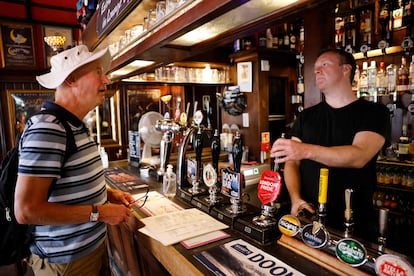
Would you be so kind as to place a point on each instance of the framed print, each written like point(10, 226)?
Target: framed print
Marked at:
point(108, 120)
point(17, 47)
point(139, 102)
point(52, 30)
point(23, 104)
point(244, 76)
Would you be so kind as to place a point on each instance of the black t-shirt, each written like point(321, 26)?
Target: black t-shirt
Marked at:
point(327, 126)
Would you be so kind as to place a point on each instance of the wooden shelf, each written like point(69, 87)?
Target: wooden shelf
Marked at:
point(156, 46)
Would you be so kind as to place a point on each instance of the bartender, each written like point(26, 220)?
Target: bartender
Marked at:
point(341, 133)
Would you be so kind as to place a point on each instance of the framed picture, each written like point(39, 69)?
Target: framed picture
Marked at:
point(244, 76)
point(139, 102)
point(17, 47)
point(52, 30)
point(23, 104)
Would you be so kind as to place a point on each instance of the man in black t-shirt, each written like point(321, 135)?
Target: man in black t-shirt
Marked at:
point(341, 133)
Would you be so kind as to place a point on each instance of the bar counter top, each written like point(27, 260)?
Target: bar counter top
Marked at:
point(178, 260)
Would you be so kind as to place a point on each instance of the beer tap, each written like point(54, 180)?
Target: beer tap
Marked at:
point(210, 171)
point(323, 195)
point(215, 149)
point(198, 148)
point(383, 228)
point(237, 154)
point(349, 223)
point(168, 127)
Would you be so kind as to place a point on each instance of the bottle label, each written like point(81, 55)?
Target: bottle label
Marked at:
point(402, 148)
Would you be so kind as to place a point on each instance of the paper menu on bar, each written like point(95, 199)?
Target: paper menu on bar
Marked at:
point(177, 226)
point(155, 204)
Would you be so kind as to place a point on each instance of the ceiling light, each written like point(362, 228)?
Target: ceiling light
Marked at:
point(232, 19)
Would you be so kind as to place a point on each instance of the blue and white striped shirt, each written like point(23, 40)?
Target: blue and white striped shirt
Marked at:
point(79, 182)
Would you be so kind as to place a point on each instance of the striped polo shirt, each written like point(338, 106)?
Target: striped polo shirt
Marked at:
point(79, 181)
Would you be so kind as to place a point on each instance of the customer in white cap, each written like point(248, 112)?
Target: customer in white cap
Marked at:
point(67, 199)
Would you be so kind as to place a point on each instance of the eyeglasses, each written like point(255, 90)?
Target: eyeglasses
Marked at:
point(142, 198)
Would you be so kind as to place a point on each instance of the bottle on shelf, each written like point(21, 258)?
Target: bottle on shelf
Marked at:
point(269, 38)
point(403, 144)
point(355, 82)
point(292, 38)
point(301, 36)
point(384, 20)
point(363, 80)
point(280, 36)
point(339, 29)
point(350, 30)
point(397, 14)
point(286, 38)
point(381, 80)
point(371, 80)
point(365, 30)
point(403, 81)
point(392, 78)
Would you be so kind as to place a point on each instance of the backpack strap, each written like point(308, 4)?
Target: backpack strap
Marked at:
point(71, 147)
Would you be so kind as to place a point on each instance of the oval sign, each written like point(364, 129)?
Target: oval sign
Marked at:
point(315, 235)
point(289, 225)
point(351, 251)
point(209, 175)
point(390, 265)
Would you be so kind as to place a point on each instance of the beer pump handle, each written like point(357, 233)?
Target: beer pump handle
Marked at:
point(198, 148)
point(323, 194)
point(215, 149)
point(237, 152)
point(348, 213)
point(383, 228)
point(383, 222)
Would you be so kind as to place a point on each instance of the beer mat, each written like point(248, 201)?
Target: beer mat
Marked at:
point(204, 239)
point(124, 180)
point(239, 257)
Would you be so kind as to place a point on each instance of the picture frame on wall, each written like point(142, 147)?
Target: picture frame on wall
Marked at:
point(141, 101)
point(244, 76)
point(53, 30)
point(17, 46)
point(23, 104)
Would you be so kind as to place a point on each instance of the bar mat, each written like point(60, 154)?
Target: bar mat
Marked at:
point(124, 180)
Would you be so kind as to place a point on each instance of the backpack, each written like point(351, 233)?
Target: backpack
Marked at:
point(15, 238)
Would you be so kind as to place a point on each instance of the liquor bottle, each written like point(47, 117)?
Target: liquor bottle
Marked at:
point(381, 80)
point(269, 38)
point(301, 37)
point(384, 20)
point(363, 80)
point(350, 30)
point(292, 38)
point(407, 19)
point(365, 30)
point(392, 78)
point(355, 82)
point(372, 79)
point(403, 81)
point(280, 37)
point(286, 38)
point(339, 29)
point(397, 14)
point(403, 145)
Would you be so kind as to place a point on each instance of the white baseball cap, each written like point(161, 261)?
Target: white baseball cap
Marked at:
point(64, 63)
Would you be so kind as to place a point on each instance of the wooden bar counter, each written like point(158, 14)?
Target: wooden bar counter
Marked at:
point(134, 253)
